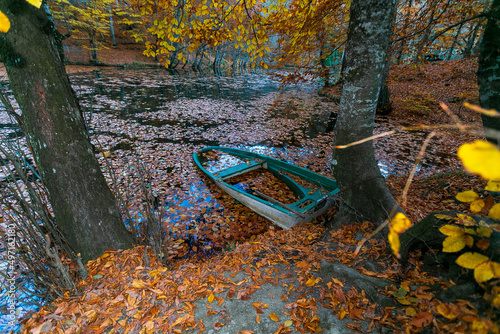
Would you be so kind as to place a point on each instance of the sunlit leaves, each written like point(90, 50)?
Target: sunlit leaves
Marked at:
point(494, 212)
point(484, 269)
point(481, 158)
point(467, 196)
point(493, 185)
point(457, 238)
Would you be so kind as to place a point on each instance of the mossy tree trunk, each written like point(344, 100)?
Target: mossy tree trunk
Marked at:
point(84, 207)
point(488, 74)
point(363, 192)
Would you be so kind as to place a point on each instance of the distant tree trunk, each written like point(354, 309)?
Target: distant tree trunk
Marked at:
point(422, 43)
point(363, 192)
point(467, 53)
point(111, 26)
point(93, 47)
point(403, 40)
point(84, 207)
point(384, 106)
point(488, 74)
point(454, 43)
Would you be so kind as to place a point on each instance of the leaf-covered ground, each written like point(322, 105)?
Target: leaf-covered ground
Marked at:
point(229, 270)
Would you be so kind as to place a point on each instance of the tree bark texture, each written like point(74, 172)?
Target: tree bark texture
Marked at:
point(84, 207)
point(363, 192)
point(488, 74)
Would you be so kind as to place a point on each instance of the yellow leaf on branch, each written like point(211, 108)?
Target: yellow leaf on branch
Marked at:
point(467, 196)
point(481, 158)
point(494, 212)
point(451, 230)
point(471, 260)
point(477, 205)
point(4, 23)
point(486, 271)
point(457, 243)
point(493, 185)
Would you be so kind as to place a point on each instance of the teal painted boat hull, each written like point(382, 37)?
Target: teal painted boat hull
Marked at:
point(311, 203)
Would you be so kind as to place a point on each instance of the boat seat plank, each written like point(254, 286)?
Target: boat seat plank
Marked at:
point(239, 169)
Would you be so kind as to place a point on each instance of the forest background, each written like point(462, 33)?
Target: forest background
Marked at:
point(309, 37)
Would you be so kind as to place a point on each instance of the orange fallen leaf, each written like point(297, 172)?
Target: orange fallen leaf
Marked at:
point(422, 319)
point(274, 317)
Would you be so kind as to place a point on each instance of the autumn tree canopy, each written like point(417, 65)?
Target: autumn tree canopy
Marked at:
point(304, 34)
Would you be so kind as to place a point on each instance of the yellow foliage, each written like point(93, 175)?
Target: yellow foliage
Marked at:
point(495, 212)
point(394, 242)
point(4, 23)
point(481, 158)
point(471, 260)
point(486, 271)
point(467, 196)
point(457, 243)
point(400, 223)
point(484, 231)
point(477, 205)
point(36, 3)
point(451, 230)
point(493, 185)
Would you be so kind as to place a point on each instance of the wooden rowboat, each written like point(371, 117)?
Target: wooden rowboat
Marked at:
point(316, 193)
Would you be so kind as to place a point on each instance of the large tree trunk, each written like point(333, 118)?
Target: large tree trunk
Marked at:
point(488, 74)
point(363, 192)
point(84, 207)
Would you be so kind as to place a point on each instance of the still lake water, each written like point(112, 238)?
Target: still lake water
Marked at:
point(160, 118)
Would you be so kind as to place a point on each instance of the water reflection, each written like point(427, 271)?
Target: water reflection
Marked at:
point(163, 117)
